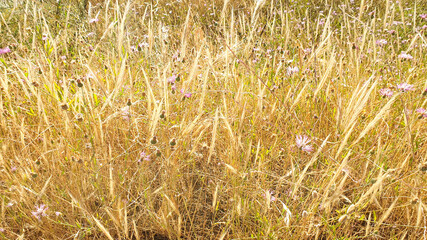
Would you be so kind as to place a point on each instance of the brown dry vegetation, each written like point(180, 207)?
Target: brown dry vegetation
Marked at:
point(81, 103)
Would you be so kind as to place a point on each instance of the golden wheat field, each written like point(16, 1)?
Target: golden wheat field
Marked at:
point(211, 119)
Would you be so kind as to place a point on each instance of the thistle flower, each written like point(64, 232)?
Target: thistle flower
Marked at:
point(40, 211)
point(302, 143)
point(5, 50)
point(386, 92)
point(405, 87)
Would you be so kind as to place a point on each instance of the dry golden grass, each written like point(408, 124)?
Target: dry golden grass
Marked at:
point(213, 120)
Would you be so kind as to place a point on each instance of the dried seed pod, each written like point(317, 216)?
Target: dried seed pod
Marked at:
point(315, 194)
point(153, 140)
point(173, 142)
point(79, 83)
point(79, 117)
point(304, 214)
point(64, 106)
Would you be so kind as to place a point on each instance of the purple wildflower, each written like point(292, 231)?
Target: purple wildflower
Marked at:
point(172, 79)
point(5, 50)
point(291, 70)
point(392, 32)
point(143, 44)
point(93, 20)
point(404, 55)
point(386, 92)
point(40, 211)
point(422, 111)
point(176, 56)
point(423, 16)
point(143, 156)
point(269, 195)
point(302, 143)
point(405, 87)
point(125, 113)
point(90, 34)
point(381, 42)
point(186, 95)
